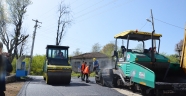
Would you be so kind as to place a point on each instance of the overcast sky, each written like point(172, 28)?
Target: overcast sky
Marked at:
point(97, 21)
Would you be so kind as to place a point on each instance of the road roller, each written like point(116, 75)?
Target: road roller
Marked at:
point(56, 68)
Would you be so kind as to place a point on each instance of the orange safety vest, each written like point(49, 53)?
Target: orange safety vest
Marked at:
point(86, 71)
point(83, 67)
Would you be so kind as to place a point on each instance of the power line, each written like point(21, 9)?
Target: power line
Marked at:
point(96, 9)
point(56, 6)
point(81, 4)
point(85, 14)
point(107, 10)
point(47, 11)
point(89, 7)
point(144, 25)
point(96, 14)
point(52, 9)
point(71, 38)
point(169, 23)
point(74, 2)
point(99, 13)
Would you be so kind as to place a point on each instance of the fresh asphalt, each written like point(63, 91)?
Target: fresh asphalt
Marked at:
point(38, 87)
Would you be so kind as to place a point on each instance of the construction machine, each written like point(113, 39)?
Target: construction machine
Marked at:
point(143, 70)
point(56, 67)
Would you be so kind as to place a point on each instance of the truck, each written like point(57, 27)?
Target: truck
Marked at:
point(56, 68)
point(145, 70)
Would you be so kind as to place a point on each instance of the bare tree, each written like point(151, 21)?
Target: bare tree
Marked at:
point(23, 48)
point(63, 21)
point(3, 18)
point(3, 22)
point(178, 47)
point(16, 11)
point(96, 47)
point(77, 52)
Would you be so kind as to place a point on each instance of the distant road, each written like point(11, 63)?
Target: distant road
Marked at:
point(38, 87)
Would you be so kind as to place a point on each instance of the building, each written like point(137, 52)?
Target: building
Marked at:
point(104, 61)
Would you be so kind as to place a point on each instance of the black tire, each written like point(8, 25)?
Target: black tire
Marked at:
point(68, 81)
point(144, 89)
point(97, 82)
point(102, 81)
point(133, 88)
point(115, 79)
point(44, 78)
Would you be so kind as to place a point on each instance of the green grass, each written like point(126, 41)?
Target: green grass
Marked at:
point(78, 74)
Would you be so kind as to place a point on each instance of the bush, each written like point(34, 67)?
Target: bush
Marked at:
point(78, 74)
point(73, 74)
point(92, 74)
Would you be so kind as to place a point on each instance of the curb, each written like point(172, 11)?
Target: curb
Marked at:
point(10, 79)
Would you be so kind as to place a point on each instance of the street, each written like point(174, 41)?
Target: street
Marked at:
point(38, 87)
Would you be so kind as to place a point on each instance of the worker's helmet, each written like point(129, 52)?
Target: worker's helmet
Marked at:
point(94, 59)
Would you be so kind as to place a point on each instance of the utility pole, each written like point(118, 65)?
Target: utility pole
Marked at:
point(36, 25)
point(152, 21)
point(153, 27)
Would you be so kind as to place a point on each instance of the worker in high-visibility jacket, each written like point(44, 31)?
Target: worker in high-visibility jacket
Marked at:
point(83, 65)
point(86, 72)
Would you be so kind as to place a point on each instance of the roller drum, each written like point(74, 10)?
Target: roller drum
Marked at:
point(59, 77)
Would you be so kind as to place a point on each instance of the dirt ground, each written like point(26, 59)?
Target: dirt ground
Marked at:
point(12, 89)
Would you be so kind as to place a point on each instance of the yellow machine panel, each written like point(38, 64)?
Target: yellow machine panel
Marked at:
point(183, 55)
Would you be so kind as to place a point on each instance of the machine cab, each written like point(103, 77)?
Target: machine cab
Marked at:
point(57, 55)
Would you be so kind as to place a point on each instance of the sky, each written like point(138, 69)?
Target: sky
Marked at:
point(97, 21)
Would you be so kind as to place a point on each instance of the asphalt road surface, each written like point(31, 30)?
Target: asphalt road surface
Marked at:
point(38, 87)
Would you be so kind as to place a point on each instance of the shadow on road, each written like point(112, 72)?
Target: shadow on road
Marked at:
point(71, 84)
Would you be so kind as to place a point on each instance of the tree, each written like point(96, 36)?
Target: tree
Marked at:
point(164, 54)
point(108, 49)
point(173, 57)
point(178, 47)
point(96, 47)
point(63, 21)
point(139, 47)
point(16, 13)
point(77, 52)
point(23, 48)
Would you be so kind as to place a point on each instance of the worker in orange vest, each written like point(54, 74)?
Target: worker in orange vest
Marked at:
point(83, 65)
point(86, 72)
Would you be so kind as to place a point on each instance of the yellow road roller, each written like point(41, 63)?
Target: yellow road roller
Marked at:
point(56, 68)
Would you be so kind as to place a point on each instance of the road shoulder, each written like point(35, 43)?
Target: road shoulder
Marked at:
point(12, 89)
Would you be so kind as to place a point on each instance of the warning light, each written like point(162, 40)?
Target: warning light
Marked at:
point(136, 30)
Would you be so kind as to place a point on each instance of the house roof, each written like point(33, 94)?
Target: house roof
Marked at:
point(90, 55)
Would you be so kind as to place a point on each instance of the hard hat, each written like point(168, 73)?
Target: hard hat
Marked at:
point(94, 59)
